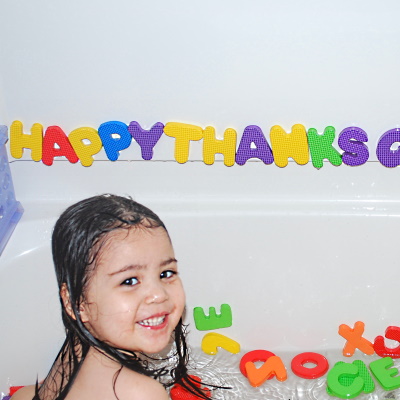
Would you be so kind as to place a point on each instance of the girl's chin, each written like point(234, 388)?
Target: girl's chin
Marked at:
point(156, 348)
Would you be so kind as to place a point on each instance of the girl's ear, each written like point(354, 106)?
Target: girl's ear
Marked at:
point(64, 293)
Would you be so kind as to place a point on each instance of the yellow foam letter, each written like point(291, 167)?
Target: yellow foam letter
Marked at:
point(213, 340)
point(20, 141)
point(285, 145)
point(183, 133)
point(82, 150)
point(227, 146)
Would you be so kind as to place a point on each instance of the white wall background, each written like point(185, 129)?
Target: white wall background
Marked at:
point(295, 251)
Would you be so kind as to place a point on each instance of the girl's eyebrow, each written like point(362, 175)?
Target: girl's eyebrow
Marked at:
point(137, 267)
point(134, 267)
point(169, 261)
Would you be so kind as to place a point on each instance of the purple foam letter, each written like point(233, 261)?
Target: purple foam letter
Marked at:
point(355, 152)
point(146, 139)
point(386, 156)
point(254, 134)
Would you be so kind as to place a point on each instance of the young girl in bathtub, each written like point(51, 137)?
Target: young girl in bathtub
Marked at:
point(121, 297)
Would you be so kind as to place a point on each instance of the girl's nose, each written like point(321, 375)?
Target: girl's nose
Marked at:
point(156, 294)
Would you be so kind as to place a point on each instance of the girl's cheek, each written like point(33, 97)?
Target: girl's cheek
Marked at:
point(126, 306)
point(179, 295)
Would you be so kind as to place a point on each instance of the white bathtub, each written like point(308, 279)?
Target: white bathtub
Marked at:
point(295, 252)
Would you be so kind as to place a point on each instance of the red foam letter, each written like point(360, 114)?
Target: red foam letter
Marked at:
point(393, 333)
point(178, 392)
point(321, 365)
point(55, 135)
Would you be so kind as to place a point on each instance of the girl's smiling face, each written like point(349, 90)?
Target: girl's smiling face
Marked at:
point(135, 298)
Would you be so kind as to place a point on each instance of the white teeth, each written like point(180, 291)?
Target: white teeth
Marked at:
point(152, 321)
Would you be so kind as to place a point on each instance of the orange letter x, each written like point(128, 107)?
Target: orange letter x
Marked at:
point(355, 340)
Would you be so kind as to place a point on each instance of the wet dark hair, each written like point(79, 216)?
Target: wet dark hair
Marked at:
point(76, 243)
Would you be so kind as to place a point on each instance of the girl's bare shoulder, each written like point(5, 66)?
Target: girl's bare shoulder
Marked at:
point(25, 393)
point(134, 386)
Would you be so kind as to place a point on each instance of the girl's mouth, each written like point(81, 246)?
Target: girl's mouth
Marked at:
point(154, 322)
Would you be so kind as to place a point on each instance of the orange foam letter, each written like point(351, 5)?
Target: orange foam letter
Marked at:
point(273, 366)
point(355, 340)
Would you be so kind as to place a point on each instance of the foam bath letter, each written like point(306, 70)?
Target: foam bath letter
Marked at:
point(212, 321)
point(273, 366)
point(178, 392)
point(213, 340)
point(20, 141)
point(343, 381)
point(146, 139)
point(320, 369)
point(183, 134)
point(14, 389)
point(369, 385)
point(386, 156)
point(254, 356)
point(363, 373)
point(347, 380)
point(355, 340)
point(253, 135)
point(321, 147)
point(355, 151)
point(115, 137)
point(285, 145)
point(384, 374)
point(393, 333)
point(55, 136)
point(212, 146)
point(84, 151)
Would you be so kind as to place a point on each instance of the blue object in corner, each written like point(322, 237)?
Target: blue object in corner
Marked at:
point(10, 209)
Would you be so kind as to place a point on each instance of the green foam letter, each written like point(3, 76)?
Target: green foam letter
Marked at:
point(384, 374)
point(321, 147)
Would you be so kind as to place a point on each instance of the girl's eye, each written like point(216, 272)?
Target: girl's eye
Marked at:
point(130, 282)
point(167, 274)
